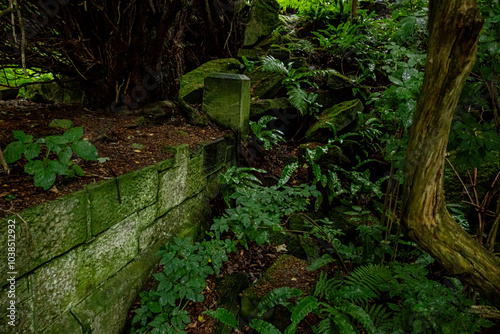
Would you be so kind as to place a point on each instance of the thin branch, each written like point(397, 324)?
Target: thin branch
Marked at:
point(4, 163)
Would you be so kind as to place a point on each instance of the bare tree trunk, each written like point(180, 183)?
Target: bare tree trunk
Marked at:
point(354, 11)
point(454, 26)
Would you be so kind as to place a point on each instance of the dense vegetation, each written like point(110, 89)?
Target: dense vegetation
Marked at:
point(385, 283)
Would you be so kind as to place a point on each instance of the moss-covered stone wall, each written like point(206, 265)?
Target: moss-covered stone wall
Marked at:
point(82, 259)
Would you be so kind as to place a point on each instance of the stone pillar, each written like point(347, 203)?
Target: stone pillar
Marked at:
point(226, 101)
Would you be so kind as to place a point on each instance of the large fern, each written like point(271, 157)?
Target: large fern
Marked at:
point(276, 297)
point(298, 98)
point(271, 64)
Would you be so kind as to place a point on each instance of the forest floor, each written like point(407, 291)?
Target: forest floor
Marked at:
point(128, 145)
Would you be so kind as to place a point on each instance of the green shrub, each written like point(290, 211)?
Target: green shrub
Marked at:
point(38, 154)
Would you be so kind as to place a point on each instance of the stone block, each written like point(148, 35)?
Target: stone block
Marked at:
point(214, 157)
point(172, 188)
point(147, 216)
point(47, 231)
point(67, 280)
point(183, 220)
point(196, 178)
point(64, 324)
point(227, 101)
point(106, 309)
point(105, 207)
point(24, 319)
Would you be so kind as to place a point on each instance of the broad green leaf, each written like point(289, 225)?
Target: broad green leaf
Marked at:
point(287, 173)
point(85, 150)
point(57, 167)
point(22, 137)
point(54, 143)
point(44, 177)
point(78, 170)
point(65, 155)
point(32, 166)
point(224, 316)
point(277, 296)
point(154, 307)
point(14, 151)
point(263, 327)
point(73, 134)
point(320, 262)
point(32, 151)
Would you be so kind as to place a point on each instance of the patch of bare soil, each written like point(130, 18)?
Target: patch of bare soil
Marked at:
point(127, 143)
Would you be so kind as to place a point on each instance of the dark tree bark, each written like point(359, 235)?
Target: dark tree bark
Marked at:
point(354, 11)
point(122, 53)
point(454, 26)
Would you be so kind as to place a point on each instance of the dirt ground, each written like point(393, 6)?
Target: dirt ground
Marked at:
point(128, 143)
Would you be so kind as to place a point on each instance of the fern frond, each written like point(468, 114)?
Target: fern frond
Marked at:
point(358, 294)
point(370, 276)
point(320, 262)
point(327, 326)
point(380, 315)
point(360, 315)
point(277, 296)
point(300, 311)
point(345, 326)
point(298, 98)
point(224, 316)
point(325, 285)
point(271, 64)
point(262, 326)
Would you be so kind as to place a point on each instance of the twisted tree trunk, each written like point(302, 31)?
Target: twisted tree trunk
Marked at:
point(454, 26)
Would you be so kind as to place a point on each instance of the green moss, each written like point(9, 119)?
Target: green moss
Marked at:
point(191, 87)
point(50, 230)
point(112, 201)
point(340, 115)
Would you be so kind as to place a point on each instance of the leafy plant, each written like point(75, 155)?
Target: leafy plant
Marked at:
point(292, 80)
point(256, 210)
point(247, 64)
point(267, 137)
point(183, 279)
point(46, 169)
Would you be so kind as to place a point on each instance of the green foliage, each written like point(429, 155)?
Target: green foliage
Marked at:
point(276, 297)
point(238, 177)
point(292, 80)
point(247, 64)
point(15, 77)
point(258, 210)
point(224, 316)
point(268, 138)
point(472, 142)
point(46, 169)
point(183, 279)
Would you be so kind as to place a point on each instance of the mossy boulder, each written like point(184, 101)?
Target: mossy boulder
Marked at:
point(229, 287)
point(261, 20)
point(334, 155)
point(191, 87)
point(50, 93)
point(287, 271)
point(259, 107)
point(341, 116)
point(279, 52)
point(265, 84)
point(338, 81)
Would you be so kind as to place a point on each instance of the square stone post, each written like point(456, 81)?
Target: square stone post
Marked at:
point(226, 101)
